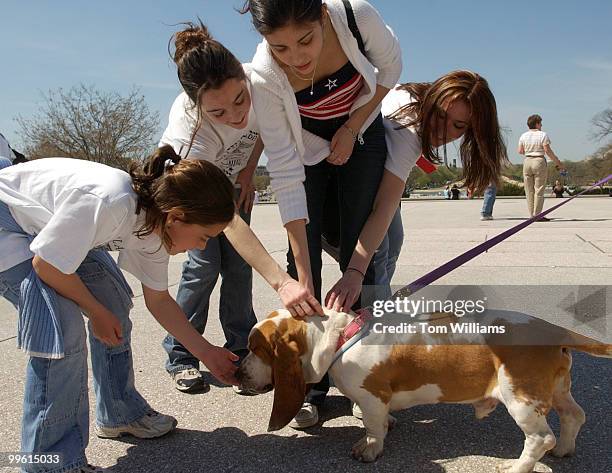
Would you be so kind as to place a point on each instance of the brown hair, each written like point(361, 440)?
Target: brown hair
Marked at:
point(198, 189)
point(202, 64)
point(482, 150)
point(533, 121)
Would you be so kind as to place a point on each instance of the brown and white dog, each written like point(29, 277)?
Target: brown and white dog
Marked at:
point(288, 354)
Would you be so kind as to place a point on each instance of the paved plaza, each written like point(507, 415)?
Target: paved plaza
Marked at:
point(220, 431)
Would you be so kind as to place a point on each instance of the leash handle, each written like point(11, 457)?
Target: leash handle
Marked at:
point(463, 258)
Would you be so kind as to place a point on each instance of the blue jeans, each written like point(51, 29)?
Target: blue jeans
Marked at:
point(488, 201)
point(56, 402)
point(5, 162)
point(385, 258)
point(200, 274)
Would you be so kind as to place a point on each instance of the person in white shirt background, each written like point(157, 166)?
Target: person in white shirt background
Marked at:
point(535, 146)
point(318, 78)
point(58, 218)
point(213, 120)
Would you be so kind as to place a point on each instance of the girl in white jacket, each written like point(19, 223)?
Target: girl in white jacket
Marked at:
point(318, 78)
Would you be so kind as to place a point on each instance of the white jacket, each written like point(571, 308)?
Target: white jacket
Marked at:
point(289, 147)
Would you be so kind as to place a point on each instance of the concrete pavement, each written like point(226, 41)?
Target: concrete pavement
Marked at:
point(220, 431)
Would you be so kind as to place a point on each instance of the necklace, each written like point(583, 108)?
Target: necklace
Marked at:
point(314, 73)
point(306, 79)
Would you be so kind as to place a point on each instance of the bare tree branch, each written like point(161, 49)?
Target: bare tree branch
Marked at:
point(85, 123)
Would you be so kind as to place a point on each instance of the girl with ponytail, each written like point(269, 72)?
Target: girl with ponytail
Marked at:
point(212, 120)
point(59, 218)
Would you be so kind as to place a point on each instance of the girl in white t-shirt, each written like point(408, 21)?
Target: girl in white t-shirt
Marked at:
point(58, 217)
point(213, 120)
point(420, 118)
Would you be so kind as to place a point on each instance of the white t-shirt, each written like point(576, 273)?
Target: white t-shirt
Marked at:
point(73, 206)
point(533, 142)
point(5, 149)
point(226, 147)
point(403, 145)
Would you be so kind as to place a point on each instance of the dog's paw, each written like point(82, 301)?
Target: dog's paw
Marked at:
point(368, 449)
point(563, 450)
point(513, 466)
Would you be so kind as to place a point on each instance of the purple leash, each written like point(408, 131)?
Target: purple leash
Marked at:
point(449, 266)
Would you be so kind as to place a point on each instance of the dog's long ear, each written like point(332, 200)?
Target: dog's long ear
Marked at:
point(289, 385)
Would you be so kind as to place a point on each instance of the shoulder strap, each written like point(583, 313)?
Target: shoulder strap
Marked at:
point(350, 16)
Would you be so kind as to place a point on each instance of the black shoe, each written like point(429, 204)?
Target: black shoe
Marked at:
point(189, 381)
point(543, 219)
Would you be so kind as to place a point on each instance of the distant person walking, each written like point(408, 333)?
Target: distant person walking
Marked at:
point(535, 146)
point(488, 201)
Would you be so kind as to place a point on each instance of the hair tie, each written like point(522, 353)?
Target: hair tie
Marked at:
point(168, 164)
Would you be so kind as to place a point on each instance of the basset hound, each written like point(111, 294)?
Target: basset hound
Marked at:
point(287, 354)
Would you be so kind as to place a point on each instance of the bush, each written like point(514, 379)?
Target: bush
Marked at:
point(510, 189)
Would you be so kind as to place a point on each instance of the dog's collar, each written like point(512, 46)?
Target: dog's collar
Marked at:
point(354, 327)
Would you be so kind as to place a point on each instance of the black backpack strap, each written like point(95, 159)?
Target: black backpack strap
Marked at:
point(350, 16)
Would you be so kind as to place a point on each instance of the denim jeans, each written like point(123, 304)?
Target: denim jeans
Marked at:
point(358, 182)
point(200, 274)
point(488, 201)
point(385, 258)
point(56, 402)
point(5, 162)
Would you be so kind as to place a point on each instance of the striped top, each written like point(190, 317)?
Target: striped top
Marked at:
point(533, 142)
point(331, 97)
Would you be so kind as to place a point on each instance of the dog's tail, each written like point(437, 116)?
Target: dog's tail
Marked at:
point(604, 351)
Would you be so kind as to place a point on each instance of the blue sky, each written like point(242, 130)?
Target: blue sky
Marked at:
point(548, 57)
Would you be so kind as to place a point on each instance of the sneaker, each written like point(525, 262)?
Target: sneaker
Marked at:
point(90, 469)
point(189, 381)
point(306, 417)
point(486, 217)
point(151, 425)
point(357, 411)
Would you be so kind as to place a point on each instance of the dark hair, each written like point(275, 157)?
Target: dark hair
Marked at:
point(482, 150)
point(202, 64)
point(269, 15)
point(198, 189)
point(533, 121)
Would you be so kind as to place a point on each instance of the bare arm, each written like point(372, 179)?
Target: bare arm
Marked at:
point(170, 316)
point(346, 291)
point(106, 326)
point(521, 148)
point(250, 248)
point(551, 154)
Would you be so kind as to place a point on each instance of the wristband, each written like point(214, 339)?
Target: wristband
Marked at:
point(357, 271)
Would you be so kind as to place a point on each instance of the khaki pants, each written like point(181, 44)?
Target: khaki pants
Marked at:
point(535, 172)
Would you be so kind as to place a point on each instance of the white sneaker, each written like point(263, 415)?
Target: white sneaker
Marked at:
point(151, 425)
point(189, 381)
point(486, 217)
point(91, 469)
point(357, 411)
point(306, 417)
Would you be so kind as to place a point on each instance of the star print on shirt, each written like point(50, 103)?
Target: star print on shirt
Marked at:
point(331, 84)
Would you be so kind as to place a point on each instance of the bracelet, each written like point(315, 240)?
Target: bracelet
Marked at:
point(351, 131)
point(356, 270)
